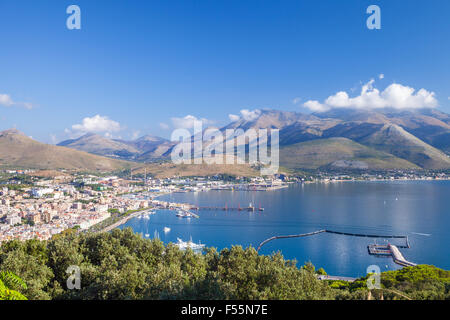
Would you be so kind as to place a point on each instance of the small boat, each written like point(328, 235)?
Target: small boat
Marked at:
point(166, 229)
point(147, 235)
point(183, 245)
point(183, 214)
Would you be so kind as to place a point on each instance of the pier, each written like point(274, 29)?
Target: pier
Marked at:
point(390, 250)
point(187, 206)
point(378, 249)
point(226, 208)
point(398, 257)
point(374, 249)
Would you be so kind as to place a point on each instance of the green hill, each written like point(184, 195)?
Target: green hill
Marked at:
point(18, 150)
point(338, 152)
point(397, 141)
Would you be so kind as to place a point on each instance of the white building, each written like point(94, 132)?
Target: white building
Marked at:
point(35, 192)
point(13, 219)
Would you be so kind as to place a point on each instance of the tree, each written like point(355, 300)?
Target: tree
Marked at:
point(321, 272)
point(28, 261)
point(9, 281)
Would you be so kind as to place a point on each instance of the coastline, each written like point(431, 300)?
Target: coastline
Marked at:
point(122, 221)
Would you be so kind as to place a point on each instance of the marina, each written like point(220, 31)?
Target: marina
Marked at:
point(226, 208)
point(186, 214)
point(353, 208)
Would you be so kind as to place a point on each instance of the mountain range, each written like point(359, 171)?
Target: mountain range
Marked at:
point(144, 149)
point(341, 138)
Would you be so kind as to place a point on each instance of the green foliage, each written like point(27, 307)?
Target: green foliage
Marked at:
point(322, 272)
point(28, 261)
point(423, 282)
point(9, 281)
point(123, 265)
point(17, 187)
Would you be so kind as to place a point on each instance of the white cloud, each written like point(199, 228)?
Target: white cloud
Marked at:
point(97, 124)
point(7, 101)
point(164, 126)
point(296, 100)
point(233, 117)
point(381, 76)
point(394, 96)
point(27, 105)
point(246, 114)
point(188, 122)
point(315, 106)
point(250, 115)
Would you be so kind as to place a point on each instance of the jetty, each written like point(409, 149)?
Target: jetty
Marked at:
point(374, 249)
point(188, 206)
point(398, 257)
point(390, 250)
point(226, 208)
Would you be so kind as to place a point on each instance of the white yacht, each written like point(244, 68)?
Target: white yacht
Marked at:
point(183, 214)
point(183, 245)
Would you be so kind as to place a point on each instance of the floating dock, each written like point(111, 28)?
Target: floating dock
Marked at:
point(379, 250)
point(390, 250)
point(374, 249)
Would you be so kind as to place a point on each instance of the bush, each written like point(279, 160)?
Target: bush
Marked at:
point(123, 265)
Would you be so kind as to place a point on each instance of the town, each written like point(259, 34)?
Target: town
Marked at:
point(41, 204)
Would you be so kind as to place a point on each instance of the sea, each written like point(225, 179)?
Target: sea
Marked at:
point(417, 209)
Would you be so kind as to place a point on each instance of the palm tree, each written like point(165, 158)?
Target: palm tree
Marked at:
point(9, 280)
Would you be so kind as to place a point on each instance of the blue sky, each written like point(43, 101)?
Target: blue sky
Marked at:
point(140, 64)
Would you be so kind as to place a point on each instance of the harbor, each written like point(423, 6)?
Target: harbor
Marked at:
point(306, 208)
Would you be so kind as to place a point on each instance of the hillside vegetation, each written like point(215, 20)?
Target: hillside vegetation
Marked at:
point(338, 152)
point(123, 265)
point(18, 150)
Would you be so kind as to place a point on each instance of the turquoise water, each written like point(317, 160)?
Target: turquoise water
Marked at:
point(419, 209)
